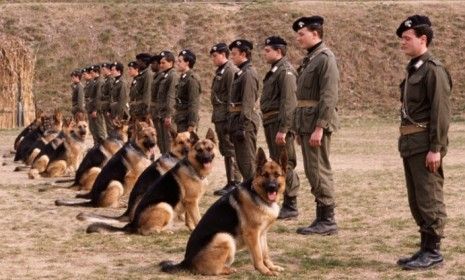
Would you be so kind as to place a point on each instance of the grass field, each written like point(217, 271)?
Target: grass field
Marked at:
point(40, 240)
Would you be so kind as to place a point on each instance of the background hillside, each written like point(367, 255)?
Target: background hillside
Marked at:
point(65, 36)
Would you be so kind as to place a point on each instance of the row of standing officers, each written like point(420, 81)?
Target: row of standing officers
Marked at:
point(296, 104)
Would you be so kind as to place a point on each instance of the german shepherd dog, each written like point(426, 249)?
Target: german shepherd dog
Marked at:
point(98, 156)
point(38, 138)
point(180, 146)
point(35, 124)
point(66, 157)
point(51, 148)
point(121, 172)
point(178, 190)
point(240, 218)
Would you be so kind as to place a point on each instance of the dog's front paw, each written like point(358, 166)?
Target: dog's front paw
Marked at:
point(272, 266)
point(266, 271)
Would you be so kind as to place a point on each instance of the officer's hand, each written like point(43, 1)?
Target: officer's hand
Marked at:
point(433, 161)
point(280, 138)
point(240, 135)
point(315, 138)
point(167, 122)
point(94, 114)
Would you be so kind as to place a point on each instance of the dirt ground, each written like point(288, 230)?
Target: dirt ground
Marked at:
point(42, 241)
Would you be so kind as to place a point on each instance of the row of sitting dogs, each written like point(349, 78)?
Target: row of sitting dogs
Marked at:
point(170, 186)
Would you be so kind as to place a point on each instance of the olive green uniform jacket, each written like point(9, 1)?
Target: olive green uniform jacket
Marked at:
point(187, 104)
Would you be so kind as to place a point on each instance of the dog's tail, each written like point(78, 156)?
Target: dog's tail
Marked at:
point(54, 185)
point(172, 267)
point(64, 181)
point(21, 168)
point(84, 195)
point(92, 217)
point(63, 202)
point(106, 228)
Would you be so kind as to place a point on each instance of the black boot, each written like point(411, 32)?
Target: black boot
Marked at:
point(289, 209)
point(404, 260)
point(324, 225)
point(429, 257)
point(231, 184)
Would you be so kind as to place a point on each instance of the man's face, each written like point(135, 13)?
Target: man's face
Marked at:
point(271, 55)
point(218, 59)
point(306, 38)
point(411, 45)
point(95, 74)
point(165, 65)
point(237, 57)
point(182, 65)
point(105, 71)
point(114, 73)
point(132, 72)
point(155, 66)
point(87, 76)
point(75, 79)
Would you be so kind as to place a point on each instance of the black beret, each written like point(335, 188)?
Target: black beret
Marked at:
point(241, 44)
point(187, 54)
point(412, 22)
point(164, 54)
point(87, 69)
point(220, 47)
point(76, 72)
point(106, 65)
point(155, 58)
point(307, 21)
point(145, 57)
point(94, 68)
point(134, 64)
point(275, 41)
point(117, 65)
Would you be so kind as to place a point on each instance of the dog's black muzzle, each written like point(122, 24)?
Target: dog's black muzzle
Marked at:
point(204, 157)
point(271, 186)
point(148, 144)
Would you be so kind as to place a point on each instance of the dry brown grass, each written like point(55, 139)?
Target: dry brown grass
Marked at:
point(40, 240)
point(361, 33)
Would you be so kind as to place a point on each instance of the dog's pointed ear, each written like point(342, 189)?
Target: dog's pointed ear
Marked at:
point(150, 122)
point(260, 159)
point(116, 122)
point(173, 133)
point(211, 135)
point(283, 160)
point(194, 138)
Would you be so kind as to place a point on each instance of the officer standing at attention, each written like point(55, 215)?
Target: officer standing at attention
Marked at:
point(187, 93)
point(423, 141)
point(119, 94)
point(166, 93)
point(277, 104)
point(142, 89)
point(105, 71)
point(243, 118)
point(155, 66)
point(94, 106)
point(316, 119)
point(77, 93)
point(220, 92)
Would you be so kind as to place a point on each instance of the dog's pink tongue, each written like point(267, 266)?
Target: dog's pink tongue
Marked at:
point(272, 196)
point(207, 165)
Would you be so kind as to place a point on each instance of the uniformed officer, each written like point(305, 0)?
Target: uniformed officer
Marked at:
point(220, 93)
point(119, 94)
point(93, 106)
point(188, 91)
point(316, 119)
point(423, 141)
point(155, 66)
point(243, 118)
point(77, 93)
point(140, 93)
point(105, 72)
point(166, 93)
point(277, 104)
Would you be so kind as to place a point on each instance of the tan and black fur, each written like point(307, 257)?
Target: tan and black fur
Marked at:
point(180, 147)
point(178, 191)
point(67, 155)
point(35, 124)
point(239, 219)
point(118, 176)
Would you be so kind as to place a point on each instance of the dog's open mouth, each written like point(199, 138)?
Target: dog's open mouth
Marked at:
point(272, 196)
point(206, 161)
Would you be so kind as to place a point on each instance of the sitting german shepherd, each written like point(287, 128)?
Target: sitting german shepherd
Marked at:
point(180, 146)
point(178, 190)
point(66, 157)
point(241, 217)
point(35, 124)
point(120, 173)
point(38, 138)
